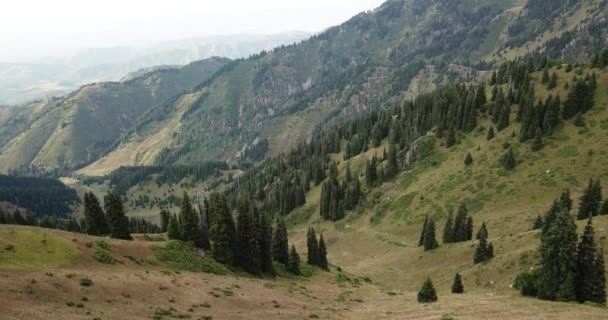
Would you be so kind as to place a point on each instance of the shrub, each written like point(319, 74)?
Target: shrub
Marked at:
point(103, 256)
point(526, 283)
point(86, 282)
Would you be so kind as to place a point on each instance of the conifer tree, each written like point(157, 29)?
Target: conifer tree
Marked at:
point(545, 77)
point(451, 138)
point(313, 247)
point(537, 143)
point(165, 216)
point(599, 292)
point(265, 243)
point(591, 200)
point(604, 208)
point(247, 251)
point(190, 229)
point(448, 230)
point(427, 293)
point(469, 228)
point(293, 265)
point(538, 223)
point(484, 250)
point(480, 97)
point(392, 166)
point(558, 258)
point(461, 229)
point(95, 218)
point(468, 160)
point(483, 232)
point(280, 245)
point(173, 230)
point(552, 83)
point(589, 281)
point(457, 286)
point(504, 118)
point(222, 229)
point(490, 134)
point(508, 160)
point(117, 220)
point(565, 200)
point(323, 263)
point(203, 240)
point(421, 239)
point(430, 242)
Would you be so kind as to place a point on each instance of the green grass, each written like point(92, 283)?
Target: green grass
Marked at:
point(34, 249)
point(182, 256)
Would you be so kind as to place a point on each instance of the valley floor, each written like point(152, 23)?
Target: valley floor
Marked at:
point(140, 287)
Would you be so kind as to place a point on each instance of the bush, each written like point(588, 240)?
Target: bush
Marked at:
point(103, 256)
point(183, 256)
point(526, 283)
point(86, 282)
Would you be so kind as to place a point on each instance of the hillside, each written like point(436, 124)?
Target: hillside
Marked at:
point(280, 96)
point(76, 129)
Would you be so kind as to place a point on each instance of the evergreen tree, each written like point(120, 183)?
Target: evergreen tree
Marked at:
point(451, 138)
point(280, 245)
point(490, 134)
point(221, 230)
point(538, 223)
point(604, 208)
point(95, 219)
point(173, 230)
point(392, 166)
point(484, 250)
point(469, 228)
point(565, 200)
point(371, 175)
point(504, 118)
point(293, 265)
point(430, 242)
point(265, 243)
point(589, 281)
point(189, 220)
point(422, 232)
point(448, 230)
point(117, 220)
point(480, 97)
point(558, 258)
point(247, 251)
point(427, 293)
point(323, 263)
point(591, 200)
point(468, 160)
point(461, 229)
point(537, 143)
point(599, 291)
point(545, 77)
point(203, 240)
point(552, 83)
point(165, 216)
point(483, 232)
point(313, 247)
point(457, 286)
point(508, 160)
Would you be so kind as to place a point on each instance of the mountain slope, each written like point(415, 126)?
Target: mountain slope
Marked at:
point(77, 129)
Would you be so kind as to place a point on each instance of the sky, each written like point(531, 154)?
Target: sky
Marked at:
point(33, 29)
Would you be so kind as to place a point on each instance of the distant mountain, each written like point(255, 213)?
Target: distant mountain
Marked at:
point(23, 82)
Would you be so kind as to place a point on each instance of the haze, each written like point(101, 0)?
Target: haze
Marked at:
point(56, 28)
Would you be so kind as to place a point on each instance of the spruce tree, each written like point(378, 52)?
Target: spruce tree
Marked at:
point(392, 165)
point(451, 138)
point(323, 263)
point(552, 83)
point(173, 230)
point(468, 160)
point(469, 228)
point(165, 216)
point(427, 293)
point(599, 292)
point(189, 220)
point(604, 208)
point(537, 143)
point(558, 258)
point(483, 232)
point(588, 285)
point(448, 230)
point(461, 229)
point(421, 238)
point(95, 218)
point(538, 223)
point(265, 242)
point(490, 134)
point(484, 250)
point(247, 251)
point(203, 240)
point(293, 265)
point(565, 200)
point(591, 200)
point(313, 247)
point(117, 220)
point(457, 286)
point(222, 230)
point(508, 160)
point(280, 245)
point(430, 242)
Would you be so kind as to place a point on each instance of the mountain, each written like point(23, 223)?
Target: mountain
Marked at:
point(54, 76)
point(70, 131)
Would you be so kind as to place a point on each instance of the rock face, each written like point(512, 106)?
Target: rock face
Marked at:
point(418, 149)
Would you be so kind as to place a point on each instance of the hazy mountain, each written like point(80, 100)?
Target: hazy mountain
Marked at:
point(23, 82)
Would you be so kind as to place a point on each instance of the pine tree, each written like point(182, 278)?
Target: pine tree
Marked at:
point(203, 241)
point(483, 232)
point(117, 220)
point(484, 250)
point(427, 293)
point(508, 160)
point(448, 230)
point(558, 258)
point(599, 292)
point(313, 247)
point(490, 134)
point(165, 215)
point(95, 218)
point(247, 251)
point(538, 223)
point(468, 160)
point(457, 286)
point(421, 239)
point(588, 285)
point(280, 245)
point(537, 143)
point(323, 263)
point(565, 200)
point(430, 242)
point(451, 138)
point(469, 228)
point(173, 230)
point(461, 229)
point(591, 200)
point(190, 229)
point(293, 265)
point(222, 230)
point(265, 243)
point(480, 97)
point(545, 77)
point(504, 118)
point(552, 83)
point(604, 208)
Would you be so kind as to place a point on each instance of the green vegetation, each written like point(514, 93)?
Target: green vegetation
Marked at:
point(182, 256)
point(33, 249)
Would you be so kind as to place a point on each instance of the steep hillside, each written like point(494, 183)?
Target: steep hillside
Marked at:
point(78, 128)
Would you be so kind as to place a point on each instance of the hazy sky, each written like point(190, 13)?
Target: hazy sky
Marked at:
point(35, 28)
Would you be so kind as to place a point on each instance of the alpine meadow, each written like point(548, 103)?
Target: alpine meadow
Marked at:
point(426, 159)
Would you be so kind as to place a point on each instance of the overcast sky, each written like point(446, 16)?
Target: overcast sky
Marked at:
point(32, 29)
